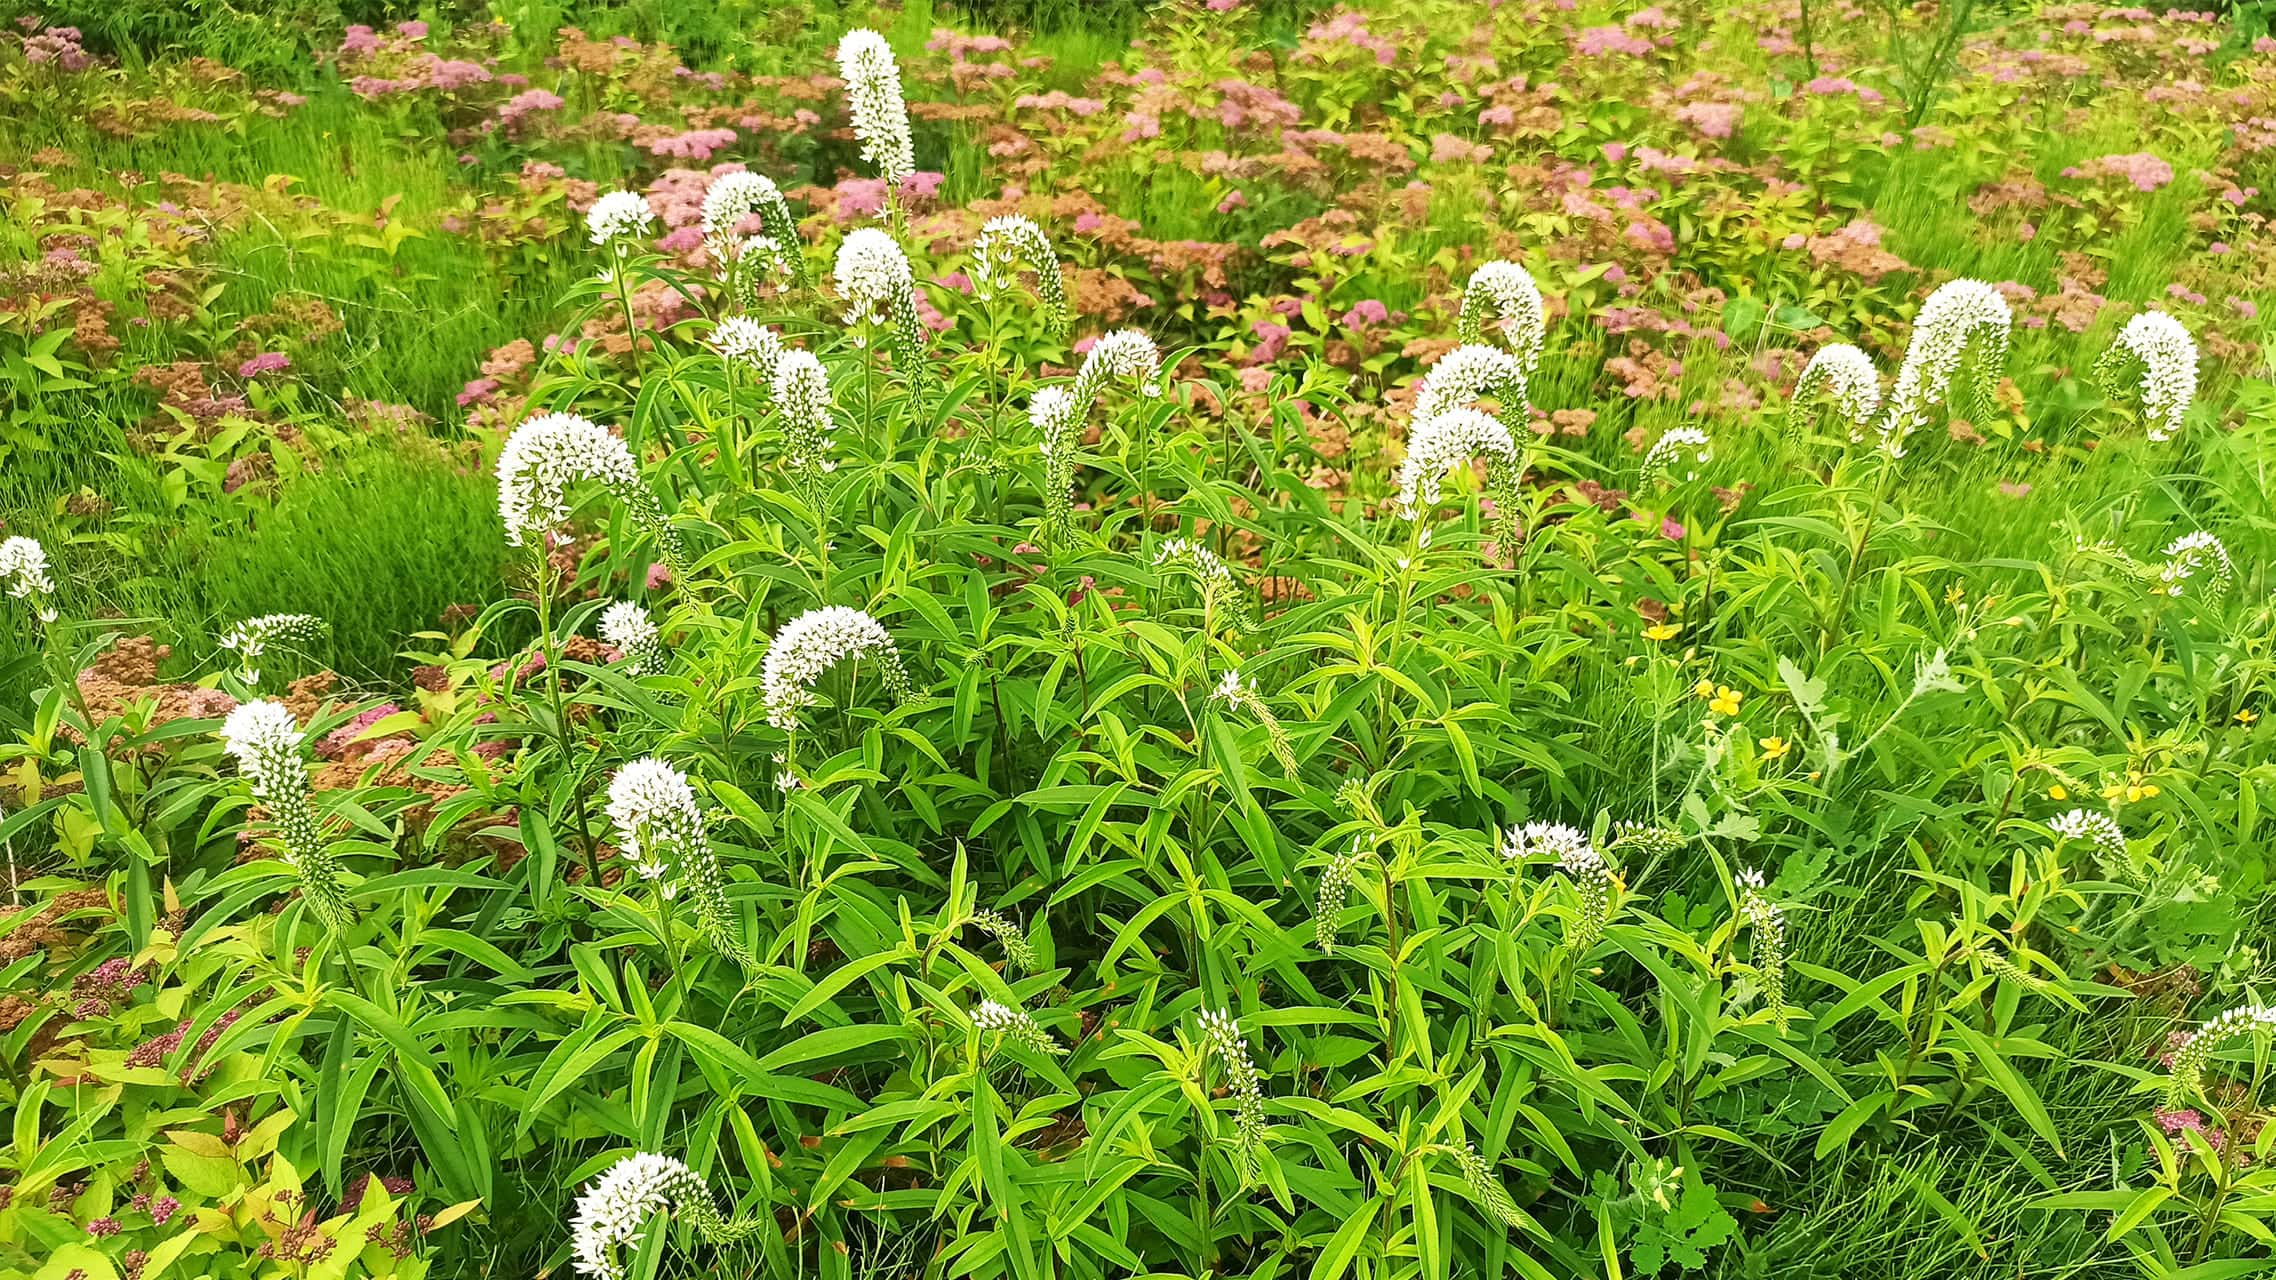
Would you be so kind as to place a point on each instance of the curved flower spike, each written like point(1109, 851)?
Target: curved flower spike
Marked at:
point(611, 1211)
point(1505, 292)
point(1963, 321)
point(814, 642)
point(1004, 247)
point(547, 453)
point(2159, 358)
point(1839, 377)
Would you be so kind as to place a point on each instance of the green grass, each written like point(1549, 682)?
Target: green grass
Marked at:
point(379, 545)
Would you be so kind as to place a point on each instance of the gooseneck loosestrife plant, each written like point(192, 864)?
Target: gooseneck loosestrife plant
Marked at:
point(23, 568)
point(1282, 971)
point(2155, 361)
point(255, 636)
point(612, 1211)
point(813, 643)
point(732, 199)
point(873, 97)
point(1841, 378)
point(660, 834)
point(266, 742)
point(1009, 245)
point(1503, 294)
point(1959, 339)
point(1439, 444)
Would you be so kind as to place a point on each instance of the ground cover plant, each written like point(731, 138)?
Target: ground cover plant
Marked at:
point(1412, 639)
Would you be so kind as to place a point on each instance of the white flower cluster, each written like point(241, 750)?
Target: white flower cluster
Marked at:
point(252, 637)
point(1769, 925)
point(2099, 830)
point(1058, 413)
point(23, 566)
point(1125, 355)
point(619, 216)
point(660, 834)
point(1548, 840)
point(659, 831)
point(1962, 315)
point(803, 400)
point(1014, 1024)
point(744, 341)
point(1507, 291)
point(1221, 1036)
point(1008, 935)
point(810, 645)
point(1057, 420)
point(1335, 885)
point(873, 97)
point(617, 1205)
point(1238, 695)
point(872, 272)
point(1467, 373)
point(551, 450)
point(875, 279)
point(626, 627)
point(2157, 347)
point(1583, 864)
point(265, 740)
point(1439, 443)
point(2196, 1052)
point(1670, 451)
point(733, 197)
point(2188, 554)
point(1220, 592)
point(1842, 377)
point(1005, 246)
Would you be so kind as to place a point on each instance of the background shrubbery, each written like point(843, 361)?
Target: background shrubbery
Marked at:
point(1863, 986)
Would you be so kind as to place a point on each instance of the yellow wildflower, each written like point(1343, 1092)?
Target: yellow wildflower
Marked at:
point(1705, 688)
point(1773, 748)
point(1663, 631)
point(1725, 702)
point(2247, 716)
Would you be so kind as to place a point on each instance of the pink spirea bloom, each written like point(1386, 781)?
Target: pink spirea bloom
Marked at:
point(1595, 42)
point(1366, 315)
point(266, 362)
point(695, 144)
point(2145, 171)
point(1233, 200)
point(1711, 119)
point(528, 102)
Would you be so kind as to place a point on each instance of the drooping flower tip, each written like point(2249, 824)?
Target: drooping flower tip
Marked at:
point(810, 645)
point(1687, 447)
point(1505, 292)
point(1467, 373)
point(1440, 442)
point(1842, 377)
point(1961, 318)
point(540, 460)
point(2158, 351)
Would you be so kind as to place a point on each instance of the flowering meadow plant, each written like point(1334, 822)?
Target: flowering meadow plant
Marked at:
point(1291, 640)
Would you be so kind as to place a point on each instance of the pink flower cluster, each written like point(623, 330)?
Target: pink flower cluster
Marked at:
point(2144, 170)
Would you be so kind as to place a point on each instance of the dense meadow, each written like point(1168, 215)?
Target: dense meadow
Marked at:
point(1416, 638)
